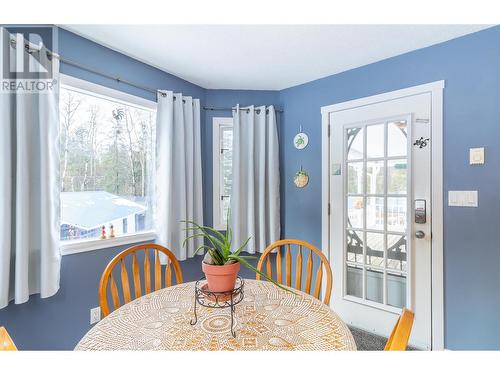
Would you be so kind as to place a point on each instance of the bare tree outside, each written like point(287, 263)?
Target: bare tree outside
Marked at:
point(106, 146)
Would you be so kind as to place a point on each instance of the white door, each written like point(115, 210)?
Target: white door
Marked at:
point(380, 191)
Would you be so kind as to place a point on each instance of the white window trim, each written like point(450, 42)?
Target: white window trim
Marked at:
point(436, 89)
point(81, 246)
point(217, 122)
point(93, 89)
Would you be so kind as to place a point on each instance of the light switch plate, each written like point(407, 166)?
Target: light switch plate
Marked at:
point(464, 198)
point(476, 156)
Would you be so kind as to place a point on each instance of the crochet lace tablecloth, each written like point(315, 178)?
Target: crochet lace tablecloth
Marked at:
point(268, 318)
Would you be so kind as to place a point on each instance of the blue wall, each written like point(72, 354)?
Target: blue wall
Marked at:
point(470, 66)
point(59, 322)
point(90, 54)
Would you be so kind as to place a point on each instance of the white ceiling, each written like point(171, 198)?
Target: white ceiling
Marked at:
point(269, 57)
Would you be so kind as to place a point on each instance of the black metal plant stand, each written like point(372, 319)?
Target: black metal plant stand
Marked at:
point(217, 300)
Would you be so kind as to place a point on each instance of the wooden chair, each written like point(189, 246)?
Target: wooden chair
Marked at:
point(6, 342)
point(302, 247)
point(401, 332)
point(108, 279)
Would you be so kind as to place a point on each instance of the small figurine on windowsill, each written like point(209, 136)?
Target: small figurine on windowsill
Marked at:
point(111, 231)
point(103, 233)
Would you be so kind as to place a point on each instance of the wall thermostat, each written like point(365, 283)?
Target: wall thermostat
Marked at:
point(476, 156)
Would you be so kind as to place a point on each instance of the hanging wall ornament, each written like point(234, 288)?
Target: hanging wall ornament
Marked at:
point(301, 178)
point(301, 140)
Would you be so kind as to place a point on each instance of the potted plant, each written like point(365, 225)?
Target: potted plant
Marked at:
point(220, 264)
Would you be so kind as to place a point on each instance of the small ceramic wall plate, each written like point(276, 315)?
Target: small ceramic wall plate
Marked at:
point(301, 179)
point(300, 141)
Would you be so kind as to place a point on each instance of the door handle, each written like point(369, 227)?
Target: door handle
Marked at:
point(419, 234)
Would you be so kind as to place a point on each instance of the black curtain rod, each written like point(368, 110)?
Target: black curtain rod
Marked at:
point(234, 109)
point(145, 88)
point(51, 54)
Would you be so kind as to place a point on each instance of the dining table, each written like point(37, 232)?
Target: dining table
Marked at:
point(267, 318)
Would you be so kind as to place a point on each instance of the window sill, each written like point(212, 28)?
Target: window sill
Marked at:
point(80, 246)
point(220, 227)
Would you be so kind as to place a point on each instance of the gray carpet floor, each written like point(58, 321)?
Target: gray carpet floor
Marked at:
point(369, 341)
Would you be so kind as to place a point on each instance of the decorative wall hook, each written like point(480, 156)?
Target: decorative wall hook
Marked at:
point(301, 178)
point(421, 142)
point(301, 140)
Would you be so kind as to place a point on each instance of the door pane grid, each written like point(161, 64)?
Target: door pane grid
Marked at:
point(386, 183)
point(376, 197)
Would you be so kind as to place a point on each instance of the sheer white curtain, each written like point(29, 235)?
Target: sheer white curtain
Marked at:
point(29, 190)
point(255, 196)
point(178, 172)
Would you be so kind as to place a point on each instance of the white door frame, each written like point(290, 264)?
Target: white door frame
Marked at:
point(436, 91)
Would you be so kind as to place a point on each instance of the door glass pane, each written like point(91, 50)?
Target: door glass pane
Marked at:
point(396, 289)
point(376, 201)
point(396, 252)
point(355, 143)
point(397, 176)
point(354, 246)
point(396, 214)
point(375, 249)
point(354, 281)
point(355, 212)
point(396, 138)
point(375, 141)
point(375, 177)
point(355, 178)
point(374, 285)
point(375, 213)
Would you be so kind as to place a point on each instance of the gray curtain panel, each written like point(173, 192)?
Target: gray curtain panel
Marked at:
point(178, 172)
point(255, 196)
point(29, 188)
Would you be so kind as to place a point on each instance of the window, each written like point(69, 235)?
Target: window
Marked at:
point(107, 162)
point(222, 169)
point(377, 204)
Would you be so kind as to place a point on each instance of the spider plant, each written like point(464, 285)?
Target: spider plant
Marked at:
point(219, 250)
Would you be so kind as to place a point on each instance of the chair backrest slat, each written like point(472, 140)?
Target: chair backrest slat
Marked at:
point(147, 271)
point(324, 269)
point(319, 279)
point(114, 292)
point(309, 271)
point(125, 283)
point(269, 270)
point(279, 275)
point(288, 266)
point(298, 269)
point(168, 274)
point(107, 279)
point(137, 276)
point(157, 270)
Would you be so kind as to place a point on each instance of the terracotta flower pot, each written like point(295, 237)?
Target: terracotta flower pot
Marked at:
point(221, 278)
